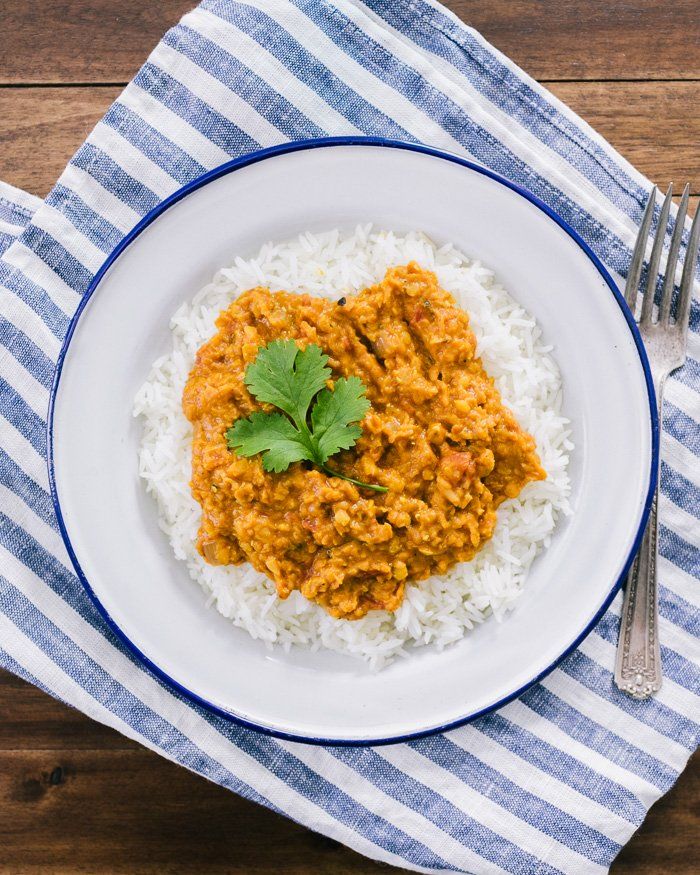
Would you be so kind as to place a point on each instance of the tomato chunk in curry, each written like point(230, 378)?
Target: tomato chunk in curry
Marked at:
point(437, 436)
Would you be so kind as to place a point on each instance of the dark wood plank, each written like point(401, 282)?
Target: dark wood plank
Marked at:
point(596, 39)
point(650, 123)
point(64, 41)
point(134, 812)
point(82, 40)
point(31, 720)
point(41, 128)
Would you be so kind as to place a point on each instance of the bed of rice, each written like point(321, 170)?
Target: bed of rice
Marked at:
point(437, 611)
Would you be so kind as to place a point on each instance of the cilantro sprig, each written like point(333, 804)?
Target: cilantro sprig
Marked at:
point(290, 378)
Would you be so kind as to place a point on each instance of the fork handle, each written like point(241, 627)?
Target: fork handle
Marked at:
point(638, 660)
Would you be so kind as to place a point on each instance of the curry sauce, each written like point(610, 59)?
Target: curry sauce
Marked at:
point(437, 436)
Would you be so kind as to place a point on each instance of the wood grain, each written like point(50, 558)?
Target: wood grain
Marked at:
point(31, 720)
point(650, 123)
point(48, 122)
point(75, 796)
point(594, 39)
point(107, 40)
point(131, 811)
point(82, 40)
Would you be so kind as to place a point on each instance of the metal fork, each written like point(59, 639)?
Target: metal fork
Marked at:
point(638, 662)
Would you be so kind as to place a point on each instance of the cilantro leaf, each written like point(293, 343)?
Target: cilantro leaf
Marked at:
point(332, 414)
point(271, 434)
point(290, 378)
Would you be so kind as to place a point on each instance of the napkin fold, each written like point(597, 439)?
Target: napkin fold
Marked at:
point(556, 781)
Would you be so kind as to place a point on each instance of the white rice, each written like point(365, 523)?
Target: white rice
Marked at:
point(437, 611)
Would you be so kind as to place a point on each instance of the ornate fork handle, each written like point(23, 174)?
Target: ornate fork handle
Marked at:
point(638, 660)
point(638, 663)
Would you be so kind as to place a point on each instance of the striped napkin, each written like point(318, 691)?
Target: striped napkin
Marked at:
point(556, 781)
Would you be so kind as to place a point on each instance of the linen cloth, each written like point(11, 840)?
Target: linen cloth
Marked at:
point(556, 781)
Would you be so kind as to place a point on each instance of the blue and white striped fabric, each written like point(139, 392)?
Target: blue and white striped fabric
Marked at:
point(554, 782)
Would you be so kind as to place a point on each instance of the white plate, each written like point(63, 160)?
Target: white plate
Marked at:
point(109, 523)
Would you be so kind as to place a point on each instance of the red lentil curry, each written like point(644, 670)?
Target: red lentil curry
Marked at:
point(436, 435)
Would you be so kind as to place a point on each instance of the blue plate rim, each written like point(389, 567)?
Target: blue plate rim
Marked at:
point(254, 158)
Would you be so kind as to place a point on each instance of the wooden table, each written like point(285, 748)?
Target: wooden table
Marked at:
point(77, 797)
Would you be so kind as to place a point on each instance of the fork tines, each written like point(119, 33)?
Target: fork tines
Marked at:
point(635, 272)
